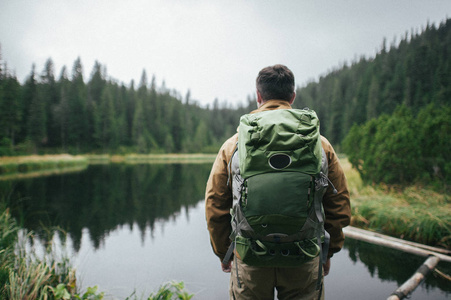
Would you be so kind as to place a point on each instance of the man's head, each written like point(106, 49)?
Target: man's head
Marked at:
point(275, 82)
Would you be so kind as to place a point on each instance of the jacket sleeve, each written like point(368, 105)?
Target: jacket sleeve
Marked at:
point(337, 206)
point(218, 200)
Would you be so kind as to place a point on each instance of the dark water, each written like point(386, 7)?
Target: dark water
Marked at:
point(130, 228)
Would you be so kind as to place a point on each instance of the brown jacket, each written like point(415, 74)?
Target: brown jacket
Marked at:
point(218, 195)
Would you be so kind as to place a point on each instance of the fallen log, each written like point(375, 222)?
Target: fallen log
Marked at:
point(394, 243)
point(411, 284)
point(387, 237)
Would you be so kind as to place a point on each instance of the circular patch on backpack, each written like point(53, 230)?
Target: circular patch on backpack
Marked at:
point(279, 161)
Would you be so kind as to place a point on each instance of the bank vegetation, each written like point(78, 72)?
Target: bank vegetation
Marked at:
point(24, 274)
point(415, 213)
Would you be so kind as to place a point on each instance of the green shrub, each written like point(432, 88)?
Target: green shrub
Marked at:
point(171, 291)
point(403, 148)
point(435, 141)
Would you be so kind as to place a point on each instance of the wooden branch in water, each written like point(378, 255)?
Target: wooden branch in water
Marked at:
point(387, 237)
point(379, 239)
point(441, 274)
point(410, 285)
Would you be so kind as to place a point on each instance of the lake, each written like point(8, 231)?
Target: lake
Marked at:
point(131, 227)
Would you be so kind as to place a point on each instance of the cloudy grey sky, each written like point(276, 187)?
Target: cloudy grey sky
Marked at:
point(213, 48)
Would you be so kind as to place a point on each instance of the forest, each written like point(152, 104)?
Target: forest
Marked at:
point(46, 114)
point(390, 114)
point(68, 113)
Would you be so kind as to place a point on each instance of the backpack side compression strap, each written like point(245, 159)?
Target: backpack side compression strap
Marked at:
point(229, 253)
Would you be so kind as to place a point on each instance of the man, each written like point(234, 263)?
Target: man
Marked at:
point(275, 90)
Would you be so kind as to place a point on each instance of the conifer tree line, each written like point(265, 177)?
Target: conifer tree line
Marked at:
point(65, 114)
point(414, 72)
point(98, 114)
point(392, 111)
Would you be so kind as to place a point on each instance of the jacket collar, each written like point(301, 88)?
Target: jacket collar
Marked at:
point(272, 105)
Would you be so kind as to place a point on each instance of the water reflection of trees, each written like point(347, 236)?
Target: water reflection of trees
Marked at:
point(104, 197)
point(393, 265)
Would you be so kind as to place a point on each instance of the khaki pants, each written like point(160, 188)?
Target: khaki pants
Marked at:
point(258, 283)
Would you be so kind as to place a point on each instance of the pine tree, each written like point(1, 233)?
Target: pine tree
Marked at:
point(95, 89)
point(61, 111)
point(139, 130)
point(77, 123)
point(121, 133)
point(373, 100)
point(48, 93)
point(129, 112)
point(10, 111)
point(200, 137)
point(33, 112)
point(335, 115)
point(105, 121)
point(176, 126)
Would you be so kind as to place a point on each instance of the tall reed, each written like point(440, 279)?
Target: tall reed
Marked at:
point(25, 275)
point(8, 239)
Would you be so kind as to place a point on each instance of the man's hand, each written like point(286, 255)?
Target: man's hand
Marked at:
point(226, 268)
point(326, 267)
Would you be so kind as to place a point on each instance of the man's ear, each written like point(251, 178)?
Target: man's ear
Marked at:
point(292, 98)
point(259, 99)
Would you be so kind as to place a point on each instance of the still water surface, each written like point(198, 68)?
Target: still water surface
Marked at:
point(131, 228)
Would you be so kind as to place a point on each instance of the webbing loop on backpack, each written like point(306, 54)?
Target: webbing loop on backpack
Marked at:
point(312, 255)
point(264, 250)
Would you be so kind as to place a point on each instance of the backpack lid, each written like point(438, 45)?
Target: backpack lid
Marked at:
point(279, 140)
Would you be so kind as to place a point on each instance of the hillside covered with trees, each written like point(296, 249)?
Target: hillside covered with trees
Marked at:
point(69, 113)
point(414, 72)
point(391, 113)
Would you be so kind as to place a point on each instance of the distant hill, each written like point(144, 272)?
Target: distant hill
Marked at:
point(416, 71)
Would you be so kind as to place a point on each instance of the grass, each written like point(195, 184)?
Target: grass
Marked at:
point(37, 165)
point(24, 275)
point(414, 213)
point(43, 165)
point(168, 291)
point(173, 290)
point(152, 158)
point(40, 165)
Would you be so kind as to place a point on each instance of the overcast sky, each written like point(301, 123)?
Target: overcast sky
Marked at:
point(212, 48)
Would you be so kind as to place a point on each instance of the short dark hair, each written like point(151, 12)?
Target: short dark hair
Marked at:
point(275, 82)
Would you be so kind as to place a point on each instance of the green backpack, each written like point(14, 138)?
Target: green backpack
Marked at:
point(279, 176)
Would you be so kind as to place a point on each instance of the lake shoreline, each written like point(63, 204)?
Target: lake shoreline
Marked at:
point(35, 165)
point(413, 213)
